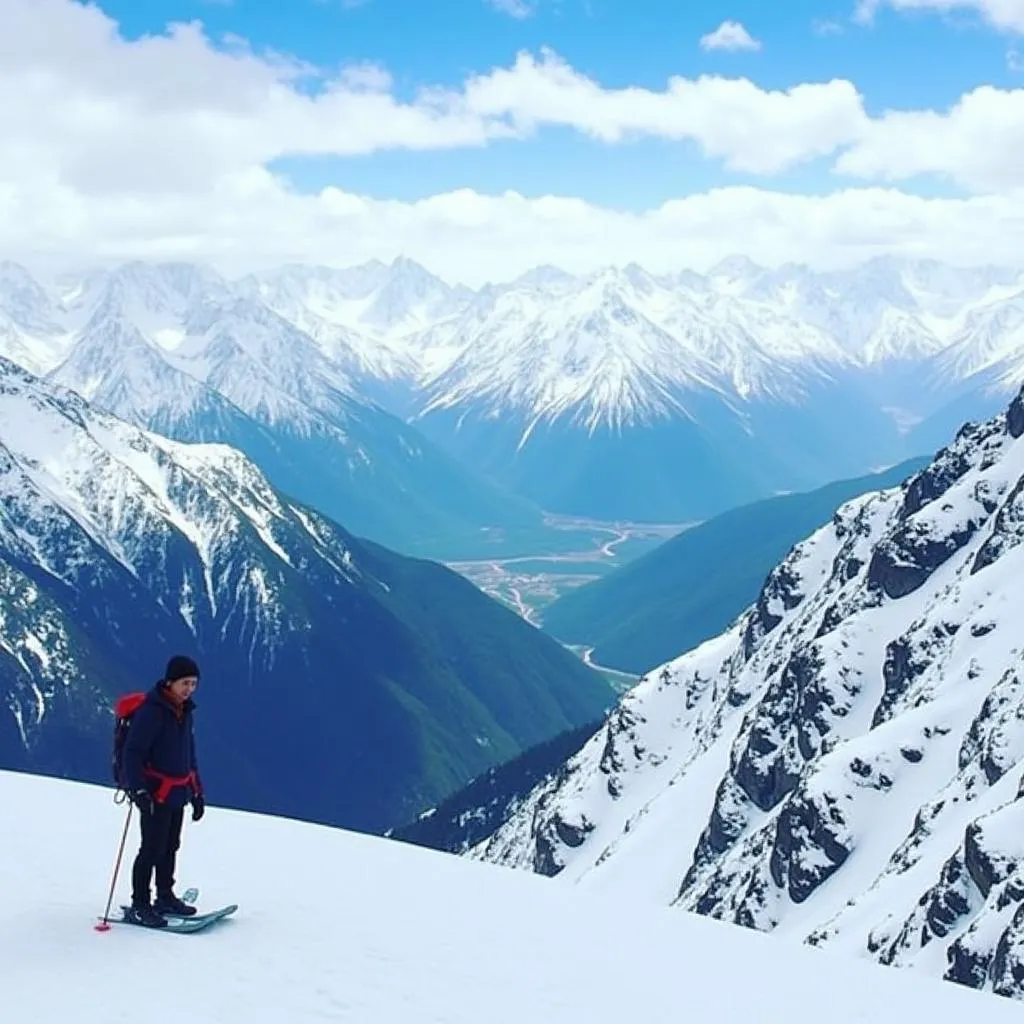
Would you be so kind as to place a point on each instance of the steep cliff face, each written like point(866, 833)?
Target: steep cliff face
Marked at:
point(844, 763)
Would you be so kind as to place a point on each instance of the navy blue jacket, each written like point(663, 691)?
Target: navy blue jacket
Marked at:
point(157, 739)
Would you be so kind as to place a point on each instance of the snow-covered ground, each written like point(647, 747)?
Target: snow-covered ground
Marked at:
point(343, 927)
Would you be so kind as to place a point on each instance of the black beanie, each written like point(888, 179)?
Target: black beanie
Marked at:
point(179, 667)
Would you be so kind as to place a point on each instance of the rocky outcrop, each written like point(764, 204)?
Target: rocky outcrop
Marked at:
point(811, 843)
point(786, 730)
point(780, 593)
point(552, 834)
point(1015, 416)
point(907, 659)
point(1008, 530)
point(904, 561)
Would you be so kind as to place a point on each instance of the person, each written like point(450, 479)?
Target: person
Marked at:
point(162, 777)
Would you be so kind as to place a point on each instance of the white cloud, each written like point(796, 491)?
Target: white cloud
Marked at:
point(473, 238)
point(976, 144)
point(730, 35)
point(1007, 15)
point(750, 128)
point(513, 8)
point(160, 147)
point(172, 112)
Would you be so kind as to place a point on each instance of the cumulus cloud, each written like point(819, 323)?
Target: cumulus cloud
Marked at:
point(163, 147)
point(174, 112)
point(1007, 15)
point(730, 35)
point(976, 144)
point(750, 128)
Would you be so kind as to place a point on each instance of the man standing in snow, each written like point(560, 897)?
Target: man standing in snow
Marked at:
point(162, 776)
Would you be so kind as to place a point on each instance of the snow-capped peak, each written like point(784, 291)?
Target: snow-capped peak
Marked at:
point(259, 361)
point(594, 357)
point(382, 300)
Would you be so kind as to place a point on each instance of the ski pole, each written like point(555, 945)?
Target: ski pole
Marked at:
point(104, 925)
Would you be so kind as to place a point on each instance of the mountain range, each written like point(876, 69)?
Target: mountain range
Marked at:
point(341, 682)
point(435, 417)
point(843, 764)
point(175, 349)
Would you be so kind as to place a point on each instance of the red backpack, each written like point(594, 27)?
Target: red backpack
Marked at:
point(124, 707)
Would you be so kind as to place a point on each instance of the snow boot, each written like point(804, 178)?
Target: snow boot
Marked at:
point(144, 914)
point(168, 903)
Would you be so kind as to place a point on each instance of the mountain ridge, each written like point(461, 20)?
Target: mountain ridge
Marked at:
point(844, 764)
point(234, 371)
point(751, 380)
point(109, 534)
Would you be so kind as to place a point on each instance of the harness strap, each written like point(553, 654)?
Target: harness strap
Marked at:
point(169, 782)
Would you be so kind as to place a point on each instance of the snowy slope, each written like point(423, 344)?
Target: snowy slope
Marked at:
point(119, 369)
point(117, 545)
point(338, 926)
point(619, 347)
point(592, 356)
point(377, 300)
point(990, 345)
point(843, 764)
point(261, 363)
point(30, 329)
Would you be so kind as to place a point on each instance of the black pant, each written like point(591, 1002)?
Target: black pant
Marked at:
point(161, 837)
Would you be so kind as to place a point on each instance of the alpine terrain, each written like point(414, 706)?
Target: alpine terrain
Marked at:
point(410, 409)
point(667, 398)
point(176, 349)
point(341, 682)
point(333, 925)
point(843, 765)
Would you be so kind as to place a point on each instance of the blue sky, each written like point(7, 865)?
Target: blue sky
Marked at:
point(905, 60)
point(594, 132)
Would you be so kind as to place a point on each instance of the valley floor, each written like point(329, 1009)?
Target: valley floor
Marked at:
point(528, 583)
point(345, 927)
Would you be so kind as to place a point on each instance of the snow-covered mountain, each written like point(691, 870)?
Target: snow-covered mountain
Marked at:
point(622, 398)
point(345, 683)
point(172, 348)
point(844, 764)
point(380, 300)
point(627, 394)
point(336, 926)
point(619, 393)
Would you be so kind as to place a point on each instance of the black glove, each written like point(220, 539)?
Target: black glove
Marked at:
point(143, 799)
point(198, 808)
